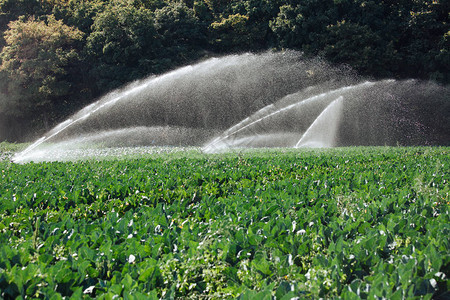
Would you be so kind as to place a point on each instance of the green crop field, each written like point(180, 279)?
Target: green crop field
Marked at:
point(277, 224)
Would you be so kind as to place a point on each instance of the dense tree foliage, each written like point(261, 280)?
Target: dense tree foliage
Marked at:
point(182, 35)
point(122, 44)
point(39, 68)
point(61, 54)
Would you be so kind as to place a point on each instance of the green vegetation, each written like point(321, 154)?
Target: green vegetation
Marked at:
point(12, 147)
point(58, 55)
point(351, 223)
point(7, 150)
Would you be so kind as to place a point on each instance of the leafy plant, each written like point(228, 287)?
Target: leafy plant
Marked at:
point(350, 223)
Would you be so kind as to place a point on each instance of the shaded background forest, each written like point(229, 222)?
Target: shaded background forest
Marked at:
point(59, 55)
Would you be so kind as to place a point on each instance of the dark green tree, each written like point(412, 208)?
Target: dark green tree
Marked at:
point(181, 33)
point(425, 44)
point(230, 33)
point(78, 13)
point(303, 24)
point(360, 47)
point(13, 9)
point(39, 67)
point(123, 46)
point(242, 25)
point(218, 7)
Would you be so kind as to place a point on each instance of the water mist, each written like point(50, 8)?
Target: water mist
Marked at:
point(250, 100)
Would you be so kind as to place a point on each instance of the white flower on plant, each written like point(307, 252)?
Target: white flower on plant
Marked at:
point(308, 274)
point(433, 283)
point(131, 258)
point(89, 290)
point(71, 233)
point(290, 260)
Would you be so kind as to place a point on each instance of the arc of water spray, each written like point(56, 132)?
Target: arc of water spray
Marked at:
point(94, 107)
point(85, 113)
point(301, 102)
point(322, 132)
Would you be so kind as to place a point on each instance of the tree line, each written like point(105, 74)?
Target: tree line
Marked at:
point(59, 55)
